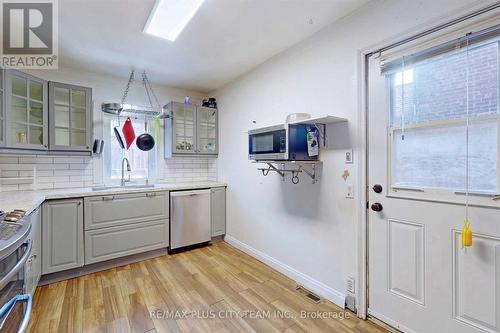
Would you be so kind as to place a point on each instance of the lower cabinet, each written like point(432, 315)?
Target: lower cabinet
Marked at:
point(78, 232)
point(62, 235)
point(218, 210)
point(119, 241)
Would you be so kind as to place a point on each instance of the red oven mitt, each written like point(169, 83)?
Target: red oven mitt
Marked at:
point(128, 132)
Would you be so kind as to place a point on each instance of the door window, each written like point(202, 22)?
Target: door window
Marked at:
point(428, 115)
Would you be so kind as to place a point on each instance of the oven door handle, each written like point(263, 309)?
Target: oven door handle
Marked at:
point(18, 266)
point(6, 309)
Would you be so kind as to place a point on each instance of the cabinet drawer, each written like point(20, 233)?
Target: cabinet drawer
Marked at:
point(119, 209)
point(114, 242)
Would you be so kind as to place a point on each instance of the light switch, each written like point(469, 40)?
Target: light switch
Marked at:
point(349, 158)
point(349, 193)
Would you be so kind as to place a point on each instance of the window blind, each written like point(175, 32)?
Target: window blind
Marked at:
point(471, 39)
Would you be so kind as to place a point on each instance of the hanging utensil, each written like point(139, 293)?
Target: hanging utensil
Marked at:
point(119, 137)
point(128, 132)
point(145, 141)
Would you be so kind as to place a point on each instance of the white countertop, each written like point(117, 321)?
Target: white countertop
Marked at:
point(30, 200)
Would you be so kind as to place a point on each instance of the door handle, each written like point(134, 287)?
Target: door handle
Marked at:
point(7, 308)
point(377, 188)
point(377, 207)
point(17, 267)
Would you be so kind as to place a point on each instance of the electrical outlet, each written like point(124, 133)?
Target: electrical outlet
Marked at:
point(351, 285)
point(349, 192)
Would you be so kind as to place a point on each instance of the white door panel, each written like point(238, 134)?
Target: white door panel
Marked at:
point(419, 277)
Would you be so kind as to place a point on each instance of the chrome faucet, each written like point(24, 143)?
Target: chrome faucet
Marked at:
point(123, 171)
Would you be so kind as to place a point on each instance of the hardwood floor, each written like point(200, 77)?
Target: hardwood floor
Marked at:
point(220, 288)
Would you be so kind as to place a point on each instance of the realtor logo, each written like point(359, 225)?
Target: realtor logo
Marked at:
point(29, 33)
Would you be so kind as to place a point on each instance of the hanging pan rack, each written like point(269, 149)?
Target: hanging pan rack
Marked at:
point(122, 108)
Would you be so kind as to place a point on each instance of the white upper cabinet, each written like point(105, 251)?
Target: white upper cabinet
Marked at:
point(39, 115)
point(191, 130)
point(207, 130)
point(70, 114)
point(26, 112)
point(2, 108)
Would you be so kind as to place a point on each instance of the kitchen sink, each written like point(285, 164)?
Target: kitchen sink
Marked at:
point(115, 187)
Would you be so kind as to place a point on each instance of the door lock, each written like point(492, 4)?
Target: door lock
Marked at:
point(377, 188)
point(377, 207)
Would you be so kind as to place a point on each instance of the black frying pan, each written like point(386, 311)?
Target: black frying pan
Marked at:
point(145, 141)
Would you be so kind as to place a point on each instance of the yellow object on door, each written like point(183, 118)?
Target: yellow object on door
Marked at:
point(466, 234)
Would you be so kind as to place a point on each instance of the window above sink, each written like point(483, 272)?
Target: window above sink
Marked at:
point(142, 163)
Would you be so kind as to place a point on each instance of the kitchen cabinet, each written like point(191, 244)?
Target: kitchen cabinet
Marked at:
point(120, 209)
point(123, 240)
point(218, 211)
point(26, 112)
point(119, 225)
point(191, 130)
point(207, 130)
point(70, 115)
point(2, 107)
point(62, 235)
point(33, 267)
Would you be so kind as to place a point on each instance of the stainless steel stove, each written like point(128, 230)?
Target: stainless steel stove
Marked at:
point(15, 249)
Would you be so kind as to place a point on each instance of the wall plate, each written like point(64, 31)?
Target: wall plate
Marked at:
point(349, 157)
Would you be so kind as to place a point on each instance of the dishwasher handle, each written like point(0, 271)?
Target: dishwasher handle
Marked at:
point(189, 193)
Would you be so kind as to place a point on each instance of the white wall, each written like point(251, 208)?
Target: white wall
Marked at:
point(54, 172)
point(310, 231)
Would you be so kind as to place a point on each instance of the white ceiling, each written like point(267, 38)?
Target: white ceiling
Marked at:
point(225, 39)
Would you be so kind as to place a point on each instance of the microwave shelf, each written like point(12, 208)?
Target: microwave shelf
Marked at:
point(310, 168)
point(325, 120)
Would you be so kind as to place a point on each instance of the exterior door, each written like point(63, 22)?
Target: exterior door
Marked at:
point(420, 278)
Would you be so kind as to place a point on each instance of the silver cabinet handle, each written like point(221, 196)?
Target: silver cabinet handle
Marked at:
point(108, 198)
point(17, 267)
point(150, 195)
point(6, 309)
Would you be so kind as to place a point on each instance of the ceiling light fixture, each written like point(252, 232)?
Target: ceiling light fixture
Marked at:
point(169, 17)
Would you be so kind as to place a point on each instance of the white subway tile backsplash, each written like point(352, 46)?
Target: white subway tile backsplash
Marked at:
point(189, 169)
point(52, 166)
point(42, 173)
point(52, 172)
point(8, 159)
point(53, 179)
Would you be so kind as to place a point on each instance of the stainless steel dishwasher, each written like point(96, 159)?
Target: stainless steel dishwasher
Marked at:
point(189, 218)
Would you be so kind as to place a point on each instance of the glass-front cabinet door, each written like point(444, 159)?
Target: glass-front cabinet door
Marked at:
point(70, 113)
point(26, 117)
point(183, 128)
point(2, 108)
point(207, 130)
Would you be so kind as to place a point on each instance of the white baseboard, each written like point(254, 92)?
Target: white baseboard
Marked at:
point(308, 282)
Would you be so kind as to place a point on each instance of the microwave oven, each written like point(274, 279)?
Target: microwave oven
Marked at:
point(286, 142)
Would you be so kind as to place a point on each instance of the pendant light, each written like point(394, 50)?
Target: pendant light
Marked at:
point(466, 230)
